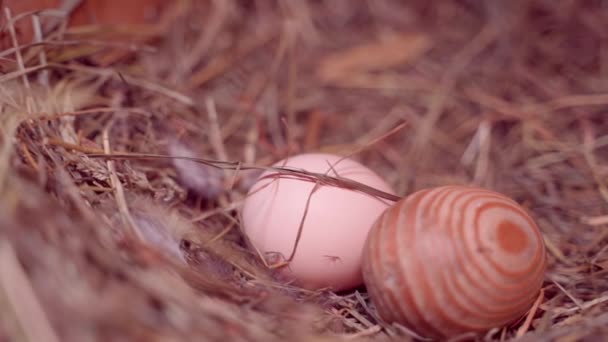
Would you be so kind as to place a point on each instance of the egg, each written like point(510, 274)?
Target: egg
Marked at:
point(454, 259)
point(329, 250)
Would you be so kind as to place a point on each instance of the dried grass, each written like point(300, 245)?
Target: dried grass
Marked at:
point(121, 178)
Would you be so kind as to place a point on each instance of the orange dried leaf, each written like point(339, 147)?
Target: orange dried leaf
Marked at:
point(387, 52)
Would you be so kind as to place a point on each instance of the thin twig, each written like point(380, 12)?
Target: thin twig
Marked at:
point(584, 306)
point(296, 173)
point(43, 77)
point(301, 226)
point(70, 146)
point(526, 326)
point(215, 133)
point(11, 28)
point(68, 43)
point(568, 294)
point(373, 330)
point(119, 194)
point(596, 220)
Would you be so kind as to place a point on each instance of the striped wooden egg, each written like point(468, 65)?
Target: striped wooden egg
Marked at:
point(453, 259)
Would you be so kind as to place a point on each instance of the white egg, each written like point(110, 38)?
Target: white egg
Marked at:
point(336, 224)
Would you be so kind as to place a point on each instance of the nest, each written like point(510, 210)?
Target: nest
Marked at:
point(125, 155)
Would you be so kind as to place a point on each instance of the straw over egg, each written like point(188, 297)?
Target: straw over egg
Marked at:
point(454, 259)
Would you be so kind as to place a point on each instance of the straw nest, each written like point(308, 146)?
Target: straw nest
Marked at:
point(109, 232)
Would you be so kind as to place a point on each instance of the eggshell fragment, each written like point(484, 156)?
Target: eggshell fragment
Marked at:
point(329, 250)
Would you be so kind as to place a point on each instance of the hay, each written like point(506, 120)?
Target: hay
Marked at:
point(106, 233)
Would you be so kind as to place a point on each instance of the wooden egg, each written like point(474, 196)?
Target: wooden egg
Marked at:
point(453, 259)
